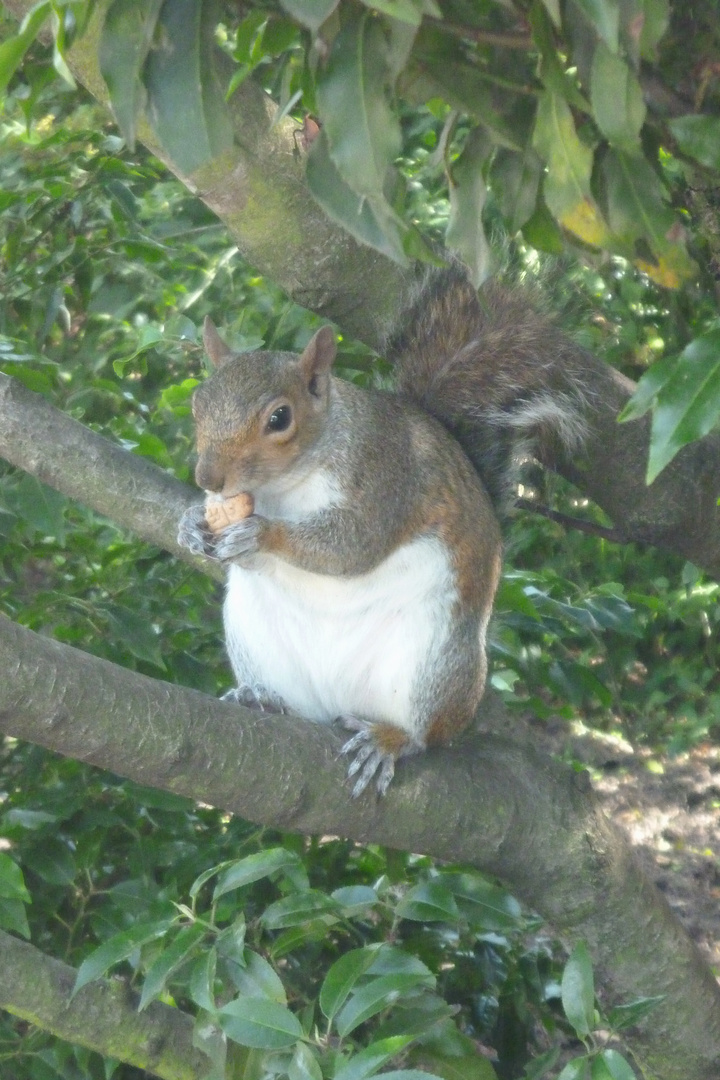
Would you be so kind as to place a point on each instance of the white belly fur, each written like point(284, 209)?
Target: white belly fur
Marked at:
point(330, 646)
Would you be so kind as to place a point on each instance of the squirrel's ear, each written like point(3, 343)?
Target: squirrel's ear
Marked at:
point(218, 352)
point(319, 353)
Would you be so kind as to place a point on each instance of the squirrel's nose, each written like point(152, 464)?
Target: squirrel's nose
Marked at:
point(209, 473)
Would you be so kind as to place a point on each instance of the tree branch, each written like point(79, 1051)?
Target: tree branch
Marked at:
point(489, 801)
point(103, 1015)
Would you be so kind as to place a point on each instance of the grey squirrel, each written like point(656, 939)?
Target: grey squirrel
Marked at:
point(361, 584)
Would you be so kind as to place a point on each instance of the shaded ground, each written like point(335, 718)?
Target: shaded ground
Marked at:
point(670, 808)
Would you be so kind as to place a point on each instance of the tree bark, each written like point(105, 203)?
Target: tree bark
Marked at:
point(103, 1015)
point(489, 801)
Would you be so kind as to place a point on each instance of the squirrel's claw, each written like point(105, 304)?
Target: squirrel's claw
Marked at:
point(193, 532)
point(239, 540)
point(255, 698)
point(368, 759)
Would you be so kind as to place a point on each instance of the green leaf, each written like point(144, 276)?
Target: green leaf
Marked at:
point(688, 404)
point(253, 868)
point(52, 861)
point(637, 212)
point(457, 1066)
point(577, 1069)
point(119, 947)
point(655, 22)
point(465, 232)
point(553, 9)
point(125, 42)
point(370, 221)
point(604, 17)
point(487, 907)
point(569, 162)
point(259, 1023)
point(186, 105)
point(429, 902)
point(362, 130)
point(515, 179)
point(304, 1064)
point(355, 898)
point(311, 13)
point(135, 632)
point(698, 137)
point(648, 389)
point(367, 1061)
point(615, 1067)
point(616, 98)
point(624, 1016)
point(169, 961)
point(258, 979)
point(201, 985)
point(13, 917)
point(13, 50)
point(300, 908)
point(343, 976)
point(40, 506)
point(375, 996)
point(578, 990)
point(12, 883)
point(231, 942)
point(409, 11)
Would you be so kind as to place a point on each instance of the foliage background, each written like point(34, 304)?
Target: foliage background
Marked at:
point(108, 268)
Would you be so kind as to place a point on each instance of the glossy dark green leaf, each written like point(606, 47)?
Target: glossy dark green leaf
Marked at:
point(430, 901)
point(611, 1065)
point(375, 996)
point(304, 1064)
point(201, 984)
point(259, 1023)
point(486, 906)
point(299, 908)
point(253, 868)
point(257, 978)
point(169, 960)
point(125, 42)
point(698, 136)
point(371, 1058)
point(624, 1016)
point(515, 179)
point(342, 976)
point(577, 1069)
point(12, 884)
point(470, 1066)
point(578, 990)
point(185, 103)
point(13, 917)
point(119, 947)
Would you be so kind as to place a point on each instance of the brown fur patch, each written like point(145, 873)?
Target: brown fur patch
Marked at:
point(390, 739)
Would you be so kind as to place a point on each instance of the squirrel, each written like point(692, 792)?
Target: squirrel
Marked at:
point(361, 585)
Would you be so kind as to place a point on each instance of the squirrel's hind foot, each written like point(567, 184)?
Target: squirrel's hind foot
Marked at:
point(374, 750)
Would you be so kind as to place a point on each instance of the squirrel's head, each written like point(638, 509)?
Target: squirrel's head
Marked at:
point(259, 413)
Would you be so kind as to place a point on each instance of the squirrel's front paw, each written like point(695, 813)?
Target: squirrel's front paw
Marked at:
point(239, 541)
point(255, 697)
point(193, 532)
point(375, 749)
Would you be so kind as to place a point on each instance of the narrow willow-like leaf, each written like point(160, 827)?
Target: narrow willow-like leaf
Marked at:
point(125, 42)
point(185, 103)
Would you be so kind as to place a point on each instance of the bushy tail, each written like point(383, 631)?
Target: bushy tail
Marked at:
point(493, 371)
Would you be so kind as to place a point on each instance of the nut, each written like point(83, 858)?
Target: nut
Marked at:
point(219, 513)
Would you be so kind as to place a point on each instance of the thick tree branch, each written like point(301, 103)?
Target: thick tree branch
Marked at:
point(490, 801)
point(68, 456)
point(103, 1016)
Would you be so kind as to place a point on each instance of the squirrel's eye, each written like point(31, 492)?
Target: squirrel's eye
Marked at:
point(280, 419)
